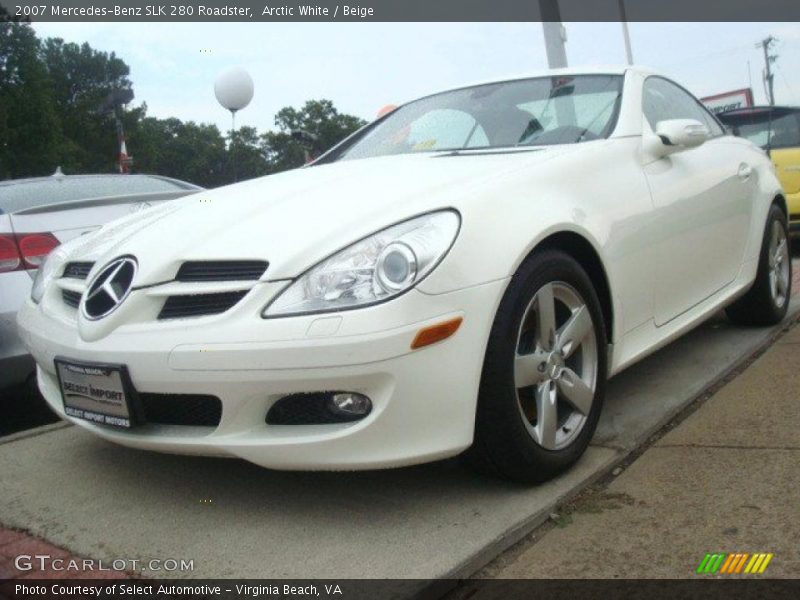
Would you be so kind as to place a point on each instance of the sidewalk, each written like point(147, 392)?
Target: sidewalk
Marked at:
point(724, 480)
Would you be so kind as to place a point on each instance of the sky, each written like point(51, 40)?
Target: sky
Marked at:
point(364, 66)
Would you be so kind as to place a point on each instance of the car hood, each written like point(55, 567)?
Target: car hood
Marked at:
point(296, 218)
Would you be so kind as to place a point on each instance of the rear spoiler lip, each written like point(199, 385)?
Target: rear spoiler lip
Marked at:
point(104, 200)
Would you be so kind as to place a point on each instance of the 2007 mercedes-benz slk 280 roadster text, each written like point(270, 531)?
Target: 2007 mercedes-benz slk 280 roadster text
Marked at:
point(462, 274)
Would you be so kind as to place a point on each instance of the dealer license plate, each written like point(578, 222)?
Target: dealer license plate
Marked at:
point(97, 393)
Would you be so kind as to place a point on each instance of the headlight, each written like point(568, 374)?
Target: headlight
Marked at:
point(43, 276)
point(375, 269)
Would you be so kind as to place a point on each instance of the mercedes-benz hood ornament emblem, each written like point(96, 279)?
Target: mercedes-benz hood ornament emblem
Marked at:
point(109, 288)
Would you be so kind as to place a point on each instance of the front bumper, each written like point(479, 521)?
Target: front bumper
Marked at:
point(423, 400)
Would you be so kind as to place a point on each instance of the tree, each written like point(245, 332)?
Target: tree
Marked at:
point(29, 125)
point(318, 117)
point(81, 79)
point(245, 155)
point(54, 112)
point(51, 94)
point(189, 151)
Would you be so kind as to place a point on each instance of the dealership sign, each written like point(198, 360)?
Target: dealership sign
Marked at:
point(729, 100)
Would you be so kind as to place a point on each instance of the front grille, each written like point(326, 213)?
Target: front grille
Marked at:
point(71, 298)
point(221, 270)
point(306, 409)
point(181, 409)
point(78, 270)
point(199, 305)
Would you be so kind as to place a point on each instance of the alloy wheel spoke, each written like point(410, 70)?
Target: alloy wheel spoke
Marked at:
point(546, 415)
point(782, 246)
point(782, 284)
point(575, 391)
point(570, 336)
point(529, 369)
point(546, 317)
point(780, 251)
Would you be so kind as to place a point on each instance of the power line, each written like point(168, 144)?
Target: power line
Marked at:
point(706, 56)
point(795, 97)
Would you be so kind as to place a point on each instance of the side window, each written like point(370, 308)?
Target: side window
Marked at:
point(663, 100)
point(786, 131)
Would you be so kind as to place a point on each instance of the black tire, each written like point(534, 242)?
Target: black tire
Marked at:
point(502, 445)
point(759, 306)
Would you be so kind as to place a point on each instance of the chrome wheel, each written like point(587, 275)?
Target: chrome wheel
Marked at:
point(778, 264)
point(555, 367)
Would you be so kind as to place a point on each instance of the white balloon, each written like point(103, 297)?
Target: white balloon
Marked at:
point(234, 88)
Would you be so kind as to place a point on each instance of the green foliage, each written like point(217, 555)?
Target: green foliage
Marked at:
point(29, 125)
point(54, 112)
point(187, 151)
point(246, 156)
point(81, 78)
point(318, 117)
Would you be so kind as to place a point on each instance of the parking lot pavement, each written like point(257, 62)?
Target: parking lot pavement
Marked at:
point(14, 543)
point(23, 408)
point(725, 480)
point(234, 520)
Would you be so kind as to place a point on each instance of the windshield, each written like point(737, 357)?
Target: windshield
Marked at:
point(781, 132)
point(529, 112)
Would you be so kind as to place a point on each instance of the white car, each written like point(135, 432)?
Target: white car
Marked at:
point(463, 274)
point(38, 214)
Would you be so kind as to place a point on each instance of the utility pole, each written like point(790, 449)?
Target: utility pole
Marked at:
point(625, 33)
point(555, 37)
point(769, 76)
point(554, 34)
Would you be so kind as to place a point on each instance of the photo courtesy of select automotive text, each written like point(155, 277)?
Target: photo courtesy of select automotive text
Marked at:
point(399, 299)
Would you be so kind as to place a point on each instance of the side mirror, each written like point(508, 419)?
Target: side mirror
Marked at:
point(675, 135)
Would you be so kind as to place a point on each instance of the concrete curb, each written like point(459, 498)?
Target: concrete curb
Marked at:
point(36, 431)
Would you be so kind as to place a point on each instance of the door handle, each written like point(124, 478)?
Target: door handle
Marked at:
point(745, 171)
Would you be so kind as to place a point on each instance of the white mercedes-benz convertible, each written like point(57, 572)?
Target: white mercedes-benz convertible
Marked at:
point(460, 276)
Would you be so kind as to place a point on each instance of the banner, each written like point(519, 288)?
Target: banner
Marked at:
point(403, 10)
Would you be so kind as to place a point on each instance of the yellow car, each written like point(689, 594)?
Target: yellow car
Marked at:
point(777, 130)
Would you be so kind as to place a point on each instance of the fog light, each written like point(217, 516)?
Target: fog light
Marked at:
point(350, 404)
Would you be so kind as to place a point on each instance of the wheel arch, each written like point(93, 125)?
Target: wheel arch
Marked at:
point(582, 250)
point(780, 201)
